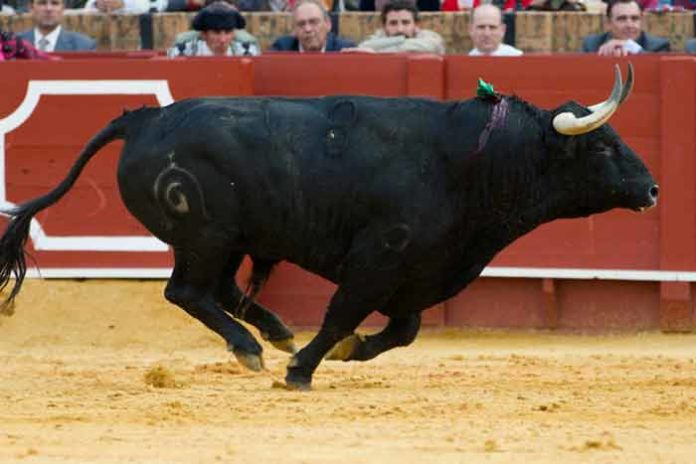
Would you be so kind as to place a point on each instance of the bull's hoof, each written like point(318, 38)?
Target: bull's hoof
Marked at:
point(296, 384)
point(344, 350)
point(286, 344)
point(296, 379)
point(253, 362)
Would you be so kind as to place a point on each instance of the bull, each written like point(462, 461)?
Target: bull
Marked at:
point(400, 202)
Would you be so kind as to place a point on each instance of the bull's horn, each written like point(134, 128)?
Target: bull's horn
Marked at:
point(627, 87)
point(569, 124)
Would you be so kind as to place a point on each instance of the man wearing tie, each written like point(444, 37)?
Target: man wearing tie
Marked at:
point(48, 35)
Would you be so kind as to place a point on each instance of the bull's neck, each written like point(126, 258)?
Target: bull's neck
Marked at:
point(502, 180)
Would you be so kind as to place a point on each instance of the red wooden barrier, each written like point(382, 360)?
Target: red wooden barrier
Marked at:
point(646, 263)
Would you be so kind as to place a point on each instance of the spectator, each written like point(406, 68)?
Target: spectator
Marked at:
point(312, 31)
point(13, 47)
point(117, 6)
point(625, 35)
point(487, 31)
point(671, 5)
point(505, 5)
point(400, 32)
point(245, 39)
point(690, 46)
point(378, 5)
point(48, 34)
point(6, 9)
point(217, 24)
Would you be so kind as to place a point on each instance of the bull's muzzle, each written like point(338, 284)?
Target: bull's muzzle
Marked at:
point(653, 193)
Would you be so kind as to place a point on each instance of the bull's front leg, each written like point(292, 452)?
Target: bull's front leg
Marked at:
point(400, 331)
point(344, 315)
point(369, 277)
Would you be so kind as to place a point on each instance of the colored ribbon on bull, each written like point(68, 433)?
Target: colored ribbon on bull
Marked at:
point(497, 120)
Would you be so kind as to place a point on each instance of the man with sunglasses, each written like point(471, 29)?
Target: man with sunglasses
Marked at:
point(624, 34)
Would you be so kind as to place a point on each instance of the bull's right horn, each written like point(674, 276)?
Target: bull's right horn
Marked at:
point(626, 91)
point(569, 124)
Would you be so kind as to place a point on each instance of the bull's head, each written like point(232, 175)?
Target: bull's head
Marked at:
point(612, 174)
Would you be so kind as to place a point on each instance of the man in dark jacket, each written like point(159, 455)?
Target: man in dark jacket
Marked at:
point(312, 31)
point(625, 35)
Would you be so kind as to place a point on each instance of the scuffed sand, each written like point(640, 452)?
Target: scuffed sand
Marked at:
point(108, 372)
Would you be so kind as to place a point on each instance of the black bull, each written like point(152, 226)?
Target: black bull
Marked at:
point(400, 202)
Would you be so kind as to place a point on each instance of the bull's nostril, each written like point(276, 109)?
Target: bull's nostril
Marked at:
point(654, 191)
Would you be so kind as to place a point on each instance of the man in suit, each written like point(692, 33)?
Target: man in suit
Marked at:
point(312, 31)
point(624, 34)
point(48, 35)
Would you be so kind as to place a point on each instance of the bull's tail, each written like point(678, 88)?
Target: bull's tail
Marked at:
point(260, 271)
point(12, 259)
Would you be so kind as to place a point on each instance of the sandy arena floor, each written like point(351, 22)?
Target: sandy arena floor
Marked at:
point(79, 363)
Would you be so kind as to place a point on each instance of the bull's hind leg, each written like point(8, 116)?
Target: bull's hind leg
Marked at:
point(400, 331)
point(192, 287)
point(230, 296)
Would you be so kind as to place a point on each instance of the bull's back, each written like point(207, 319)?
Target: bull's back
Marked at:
point(283, 177)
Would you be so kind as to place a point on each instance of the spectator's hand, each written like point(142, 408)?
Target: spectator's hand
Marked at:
point(107, 6)
point(613, 47)
point(357, 50)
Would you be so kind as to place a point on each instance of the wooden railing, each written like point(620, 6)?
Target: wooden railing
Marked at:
point(533, 32)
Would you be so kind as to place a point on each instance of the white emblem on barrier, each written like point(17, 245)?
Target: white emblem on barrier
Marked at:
point(36, 88)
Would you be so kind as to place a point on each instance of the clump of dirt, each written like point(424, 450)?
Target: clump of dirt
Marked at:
point(605, 442)
point(279, 385)
point(491, 446)
point(220, 368)
point(161, 377)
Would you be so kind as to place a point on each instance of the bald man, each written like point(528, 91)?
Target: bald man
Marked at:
point(487, 31)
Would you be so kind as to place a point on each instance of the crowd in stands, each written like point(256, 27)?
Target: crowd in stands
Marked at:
point(218, 27)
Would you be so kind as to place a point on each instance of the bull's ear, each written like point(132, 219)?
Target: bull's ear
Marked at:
point(568, 124)
point(559, 146)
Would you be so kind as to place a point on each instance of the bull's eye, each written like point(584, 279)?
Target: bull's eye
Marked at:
point(602, 150)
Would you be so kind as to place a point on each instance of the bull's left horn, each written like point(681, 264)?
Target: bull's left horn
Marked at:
point(569, 124)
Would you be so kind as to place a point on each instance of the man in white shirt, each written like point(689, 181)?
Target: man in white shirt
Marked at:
point(487, 31)
point(6, 9)
point(48, 35)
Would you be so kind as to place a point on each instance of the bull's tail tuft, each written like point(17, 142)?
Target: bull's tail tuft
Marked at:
point(12, 258)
